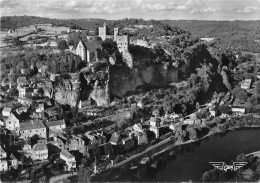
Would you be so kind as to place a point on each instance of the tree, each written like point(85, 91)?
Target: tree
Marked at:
point(214, 175)
point(84, 174)
point(240, 93)
point(224, 109)
point(62, 44)
point(192, 133)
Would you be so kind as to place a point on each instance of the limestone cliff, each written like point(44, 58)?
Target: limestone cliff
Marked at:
point(125, 79)
point(118, 81)
point(68, 90)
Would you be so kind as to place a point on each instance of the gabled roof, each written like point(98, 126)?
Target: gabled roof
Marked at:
point(115, 138)
point(12, 156)
point(39, 147)
point(67, 154)
point(7, 109)
point(55, 123)
point(32, 125)
point(91, 46)
point(1, 149)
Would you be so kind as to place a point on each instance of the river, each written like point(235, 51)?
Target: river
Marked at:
point(189, 162)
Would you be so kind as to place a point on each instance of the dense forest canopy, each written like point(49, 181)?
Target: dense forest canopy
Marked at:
point(57, 62)
point(240, 35)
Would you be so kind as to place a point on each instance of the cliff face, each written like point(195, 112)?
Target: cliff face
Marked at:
point(124, 79)
point(120, 80)
point(68, 90)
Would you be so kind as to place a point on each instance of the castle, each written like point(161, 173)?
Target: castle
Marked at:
point(91, 50)
point(122, 41)
point(102, 33)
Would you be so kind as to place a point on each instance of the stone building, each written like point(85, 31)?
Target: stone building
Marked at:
point(13, 121)
point(89, 51)
point(103, 33)
point(69, 159)
point(31, 128)
point(39, 152)
point(122, 43)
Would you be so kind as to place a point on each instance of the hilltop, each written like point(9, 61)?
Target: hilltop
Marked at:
point(241, 35)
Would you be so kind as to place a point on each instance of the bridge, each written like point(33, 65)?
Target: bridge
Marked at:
point(257, 153)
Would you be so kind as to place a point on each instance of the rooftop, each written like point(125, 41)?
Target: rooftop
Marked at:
point(55, 123)
point(67, 154)
point(31, 125)
point(39, 147)
point(7, 109)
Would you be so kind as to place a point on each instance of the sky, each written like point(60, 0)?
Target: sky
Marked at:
point(146, 9)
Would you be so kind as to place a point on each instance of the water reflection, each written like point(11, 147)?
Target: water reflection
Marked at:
point(190, 161)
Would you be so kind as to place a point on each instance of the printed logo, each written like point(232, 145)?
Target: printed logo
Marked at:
point(223, 166)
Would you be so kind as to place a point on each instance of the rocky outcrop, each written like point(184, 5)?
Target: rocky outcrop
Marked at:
point(125, 79)
point(118, 81)
point(68, 90)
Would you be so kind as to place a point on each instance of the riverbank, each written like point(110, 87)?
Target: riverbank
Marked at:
point(189, 161)
point(160, 148)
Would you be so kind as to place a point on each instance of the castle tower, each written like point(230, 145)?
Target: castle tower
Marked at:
point(122, 43)
point(102, 32)
point(115, 33)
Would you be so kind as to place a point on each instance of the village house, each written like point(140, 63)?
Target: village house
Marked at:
point(57, 142)
point(55, 126)
point(6, 112)
point(155, 130)
point(128, 143)
point(69, 159)
point(140, 104)
point(3, 164)
point(25, 92)
point(25, 101)
point(116, 139)
point(13, 162)
point(238, 110)
point(89, 51)
point(12, 122)
point(174, 117)
point(21, 110)
point(141, 42)
point(138, 127)
point(76, 143)
point(95, 138)
point(3, 153)
point(189, 121)
point(212, 111)
point(246, 84)
point(84, 103)
point(140, 137)
point(154, 121)
point(39, 152)
point(28, 129)
point(172, 127)
point(27, 150)
point(39, 107)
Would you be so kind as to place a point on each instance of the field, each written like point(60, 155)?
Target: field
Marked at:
point(25, 32)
